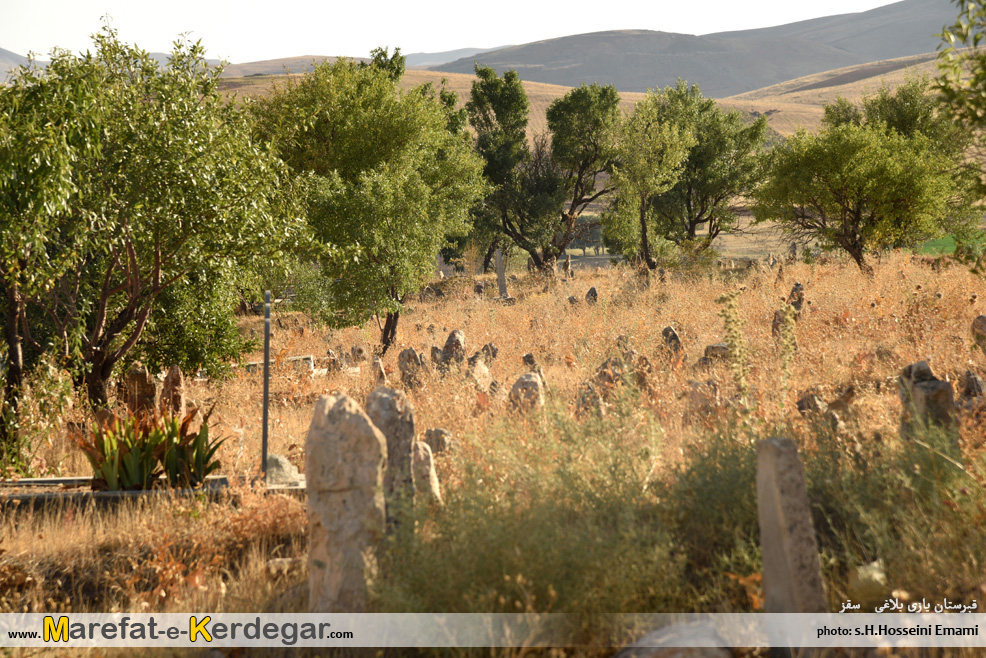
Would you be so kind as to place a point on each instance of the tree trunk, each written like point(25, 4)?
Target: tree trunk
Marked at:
point(97, 381)
point(389, 331)
point(15, 371)
point(644, 245)
point(488, 260)
point(859, 256)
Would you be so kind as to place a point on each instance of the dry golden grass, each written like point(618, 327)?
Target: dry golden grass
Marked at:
point(173, 555)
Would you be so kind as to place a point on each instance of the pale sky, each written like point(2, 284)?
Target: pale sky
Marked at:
point(250, 30)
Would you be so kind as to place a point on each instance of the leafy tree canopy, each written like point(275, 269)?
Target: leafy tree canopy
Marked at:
point(383, 178)
point(861, 188)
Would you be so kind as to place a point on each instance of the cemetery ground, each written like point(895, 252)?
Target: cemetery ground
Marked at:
point(633, 489)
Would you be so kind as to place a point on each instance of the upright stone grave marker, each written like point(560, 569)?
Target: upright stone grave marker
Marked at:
point(346, 456)
point(792, 573)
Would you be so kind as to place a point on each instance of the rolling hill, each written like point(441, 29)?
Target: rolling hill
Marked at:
point(726, 63)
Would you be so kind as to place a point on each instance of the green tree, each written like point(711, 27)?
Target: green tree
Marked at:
point(721, 165)
point(383, 178)
point(962, 66)
point(48, 121)
point(909, 109)
point(175, 185)
point(650, 155)
point(861, 188)
point(498, 111)
point(582, 123)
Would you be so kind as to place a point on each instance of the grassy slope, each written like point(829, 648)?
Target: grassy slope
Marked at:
point(790, 105)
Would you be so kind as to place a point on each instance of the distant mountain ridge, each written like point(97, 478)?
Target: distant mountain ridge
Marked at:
point(725, 63)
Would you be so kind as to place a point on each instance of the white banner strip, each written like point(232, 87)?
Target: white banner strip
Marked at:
point(206, 629)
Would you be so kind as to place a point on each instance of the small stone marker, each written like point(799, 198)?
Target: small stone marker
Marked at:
point(717, 351)
point(792, 574)
point(140, 389)
point(675, 641)
point(379, 374)
point(926, 399)
point(410, 362)
point(426, 488)
point(346, 456)
point(439, 440)
point(281, 472)
point(173, 393)
point(592, 296)
point(672, 340)
point(527, 392)
point(391, 412)
point(979, 332)
point(455, 347)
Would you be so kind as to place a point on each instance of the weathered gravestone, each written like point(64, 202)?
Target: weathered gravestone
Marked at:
point(140, 389)
point(411, 363)
point(346, 457)
point(173, 393)
point(527, 392)
point(391, 412)
point(792, 573)
point(926, 400)
point(979, 332)
point(426, 488)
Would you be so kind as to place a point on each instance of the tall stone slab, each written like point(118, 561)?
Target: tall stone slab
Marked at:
point(426, 488)
point(140, 389)
point(173, 393)
point(792, 573)
point(391, 412)
point(346, 457)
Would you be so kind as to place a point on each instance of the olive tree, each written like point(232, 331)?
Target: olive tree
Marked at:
point(384, 178)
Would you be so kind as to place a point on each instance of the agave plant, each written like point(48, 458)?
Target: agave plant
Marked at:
point(188, 456)
point(123, 453)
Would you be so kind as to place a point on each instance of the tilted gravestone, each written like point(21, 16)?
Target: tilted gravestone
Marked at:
point(391, 412)
point(346, 457)
point(792, 573)
point(926, 400)
point(173, 393)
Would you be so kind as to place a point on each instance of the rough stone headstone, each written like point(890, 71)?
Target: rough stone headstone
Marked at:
point(455, 347)
point(411, 363)
point(671, 340)
point(527, 392)
point(792, 573)
point(140, 389)
point(926, 400)
point(359, 353)
point(345, 461)
point(332, 362)
point(480, 375)
point(979, 332)
point(592, 296)
point(490, 351)
point(426, 488)
point(379, 373)
point(437, 356)
point(717, 351)
point(972, 385)
point(439, 440)
point(391, 412)
point(173, 393)
point(282, 472)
